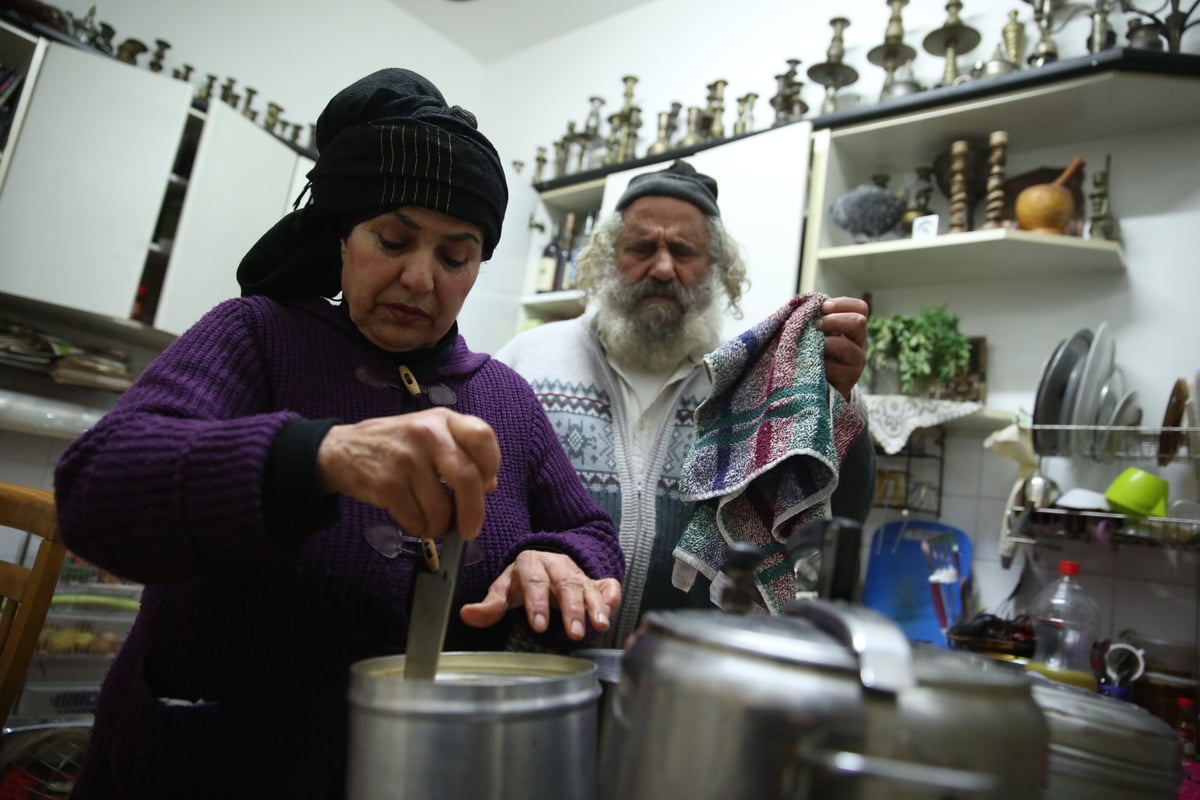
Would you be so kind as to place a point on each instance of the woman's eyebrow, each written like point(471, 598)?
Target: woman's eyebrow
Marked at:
point(461, 236)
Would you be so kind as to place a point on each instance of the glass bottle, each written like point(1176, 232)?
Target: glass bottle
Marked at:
point(547, 264)
point(1066, 622)
point(580, 241)
point(564, 252)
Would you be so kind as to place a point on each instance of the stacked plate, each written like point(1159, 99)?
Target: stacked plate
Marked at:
point(1082, 387)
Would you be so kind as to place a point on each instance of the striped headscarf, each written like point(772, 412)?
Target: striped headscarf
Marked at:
point(387, 140)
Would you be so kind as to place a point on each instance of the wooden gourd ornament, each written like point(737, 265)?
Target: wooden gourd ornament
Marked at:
point(1048, 207)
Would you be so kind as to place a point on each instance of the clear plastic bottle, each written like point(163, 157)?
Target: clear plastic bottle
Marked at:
point(1066, 622)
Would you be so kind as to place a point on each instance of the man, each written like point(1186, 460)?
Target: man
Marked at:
point(621, 382)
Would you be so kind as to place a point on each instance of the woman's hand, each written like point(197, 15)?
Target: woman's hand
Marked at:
point(540, 580)
point(407, 463)
point(844, 323)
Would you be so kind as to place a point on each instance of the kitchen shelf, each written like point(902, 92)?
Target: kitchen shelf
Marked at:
point(578, 197)
point(550, 306)
point(1033, 526)
point(973, 256)
point(1143, 444)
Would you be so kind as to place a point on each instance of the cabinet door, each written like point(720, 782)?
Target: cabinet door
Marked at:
point(240, 186)
point(86, 179)
point(762, 182)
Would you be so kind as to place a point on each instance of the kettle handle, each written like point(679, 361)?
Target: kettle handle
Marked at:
point(884, 654)
point(924, 776)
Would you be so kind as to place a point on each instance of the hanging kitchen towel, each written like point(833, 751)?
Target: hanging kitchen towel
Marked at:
point(769, 441)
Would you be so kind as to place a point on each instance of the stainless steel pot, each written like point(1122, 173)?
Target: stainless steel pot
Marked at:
point(1106, 749)
point(503, 726)
point(829, 701)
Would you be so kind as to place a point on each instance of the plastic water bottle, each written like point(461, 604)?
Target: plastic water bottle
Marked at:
point(1066, 622)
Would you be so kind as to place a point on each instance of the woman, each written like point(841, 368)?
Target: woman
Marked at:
point(241, 476)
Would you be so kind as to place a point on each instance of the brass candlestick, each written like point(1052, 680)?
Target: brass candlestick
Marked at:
point(539, 165)
point(160, 51)
point(787, 102)
point(958, 186)
point(745, 118)
point(183, 73)
point(1014, 39)
point(662, 143)
point(951, 40)
point(893, 53)
point(713, 114)
point(272, 120)
point(1174, 24)
point(246, 111)
point(129, 50)
point(695, 133)
point(832, 73)
point(997, 159)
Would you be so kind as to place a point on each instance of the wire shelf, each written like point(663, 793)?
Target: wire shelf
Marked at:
point(1111, 442)
point(1031, 526)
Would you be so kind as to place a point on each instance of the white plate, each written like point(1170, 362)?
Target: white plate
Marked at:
point(1063, 367)
point(1111, 394)
point(1080, 344)
point(1127, 414)
point(1096, 369)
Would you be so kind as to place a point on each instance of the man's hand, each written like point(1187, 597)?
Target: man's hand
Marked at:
point(540, 580)
point(422, 467)
point(844, 323)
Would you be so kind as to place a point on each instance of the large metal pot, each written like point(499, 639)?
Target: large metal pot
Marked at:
point(1106, 749)
point(830, 701)
point(504, 726)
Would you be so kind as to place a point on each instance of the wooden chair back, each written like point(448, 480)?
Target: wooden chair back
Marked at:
point(25, 592)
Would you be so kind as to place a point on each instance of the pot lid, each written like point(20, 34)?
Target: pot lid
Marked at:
point(788, 639)
point(1114, 730)
point(838, 636)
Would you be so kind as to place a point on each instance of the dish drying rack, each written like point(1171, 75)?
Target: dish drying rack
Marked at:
point(1114, 442)
point(1039, 526)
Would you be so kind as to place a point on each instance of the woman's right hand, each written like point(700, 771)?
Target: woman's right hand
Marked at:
point(406, 463)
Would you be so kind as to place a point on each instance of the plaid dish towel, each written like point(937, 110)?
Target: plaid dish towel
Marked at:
point(767, 450)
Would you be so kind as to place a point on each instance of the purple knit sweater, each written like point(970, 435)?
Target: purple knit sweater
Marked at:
point(167, 490)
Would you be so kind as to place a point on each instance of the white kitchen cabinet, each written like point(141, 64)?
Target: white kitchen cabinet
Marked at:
point(118, 198)
point(761, 183)
point(83, 176)
point(240, 185)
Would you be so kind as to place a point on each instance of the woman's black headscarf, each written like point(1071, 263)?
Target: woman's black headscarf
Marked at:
point(387, 140)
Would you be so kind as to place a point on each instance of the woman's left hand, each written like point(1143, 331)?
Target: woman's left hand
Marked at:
point(540, 580)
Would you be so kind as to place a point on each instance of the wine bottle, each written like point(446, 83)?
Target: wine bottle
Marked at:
point(546, 265)
point(564, 252)
point(580, 241)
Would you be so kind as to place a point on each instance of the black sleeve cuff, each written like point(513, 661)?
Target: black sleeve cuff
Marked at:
point(293, 504)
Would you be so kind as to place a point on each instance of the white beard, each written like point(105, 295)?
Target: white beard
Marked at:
point(656, 336)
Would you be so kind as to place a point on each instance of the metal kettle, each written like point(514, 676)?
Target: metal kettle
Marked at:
point(827, 701)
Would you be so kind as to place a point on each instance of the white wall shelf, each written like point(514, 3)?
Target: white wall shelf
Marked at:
point(973, 256)
point(550, 306)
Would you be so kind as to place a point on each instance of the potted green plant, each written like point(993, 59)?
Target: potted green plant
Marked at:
point(925, 349)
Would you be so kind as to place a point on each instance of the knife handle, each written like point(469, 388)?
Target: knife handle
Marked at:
point(433, 561)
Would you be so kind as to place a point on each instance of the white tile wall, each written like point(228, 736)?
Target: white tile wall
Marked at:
point(1149, 589)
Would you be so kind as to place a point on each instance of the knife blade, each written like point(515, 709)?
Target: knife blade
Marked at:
point(432, 599)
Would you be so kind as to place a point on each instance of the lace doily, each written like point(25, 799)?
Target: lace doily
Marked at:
point(893, 417)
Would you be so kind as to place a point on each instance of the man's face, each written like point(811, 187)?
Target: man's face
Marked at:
point(662, 258)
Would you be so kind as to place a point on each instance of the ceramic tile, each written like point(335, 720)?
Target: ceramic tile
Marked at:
point(1093, 559)
point(960, 512)
point(16, 447)
point(986, 534)
point(996, 475)
point(1155, 610)
point(961, 467)
point(993, 586)
point(1158, 564)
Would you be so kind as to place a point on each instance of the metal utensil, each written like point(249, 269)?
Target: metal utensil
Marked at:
point(432, 600)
